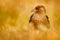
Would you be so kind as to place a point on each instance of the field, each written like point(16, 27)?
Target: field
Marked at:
point(15, 15)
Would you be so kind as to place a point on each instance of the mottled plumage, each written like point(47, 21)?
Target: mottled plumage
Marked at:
point(39, 17)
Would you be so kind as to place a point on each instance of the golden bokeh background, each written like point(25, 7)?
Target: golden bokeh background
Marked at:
point(15, 15)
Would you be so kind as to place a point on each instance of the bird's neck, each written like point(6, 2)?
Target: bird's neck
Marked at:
point(41, 13)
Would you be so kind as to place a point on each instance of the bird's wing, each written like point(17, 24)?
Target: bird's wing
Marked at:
point(47, 18)
point(31, 18)
point(48, 23)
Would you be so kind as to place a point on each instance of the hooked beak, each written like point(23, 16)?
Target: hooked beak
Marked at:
point(33, 10)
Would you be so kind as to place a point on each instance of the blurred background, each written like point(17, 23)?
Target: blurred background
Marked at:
point(15, 15)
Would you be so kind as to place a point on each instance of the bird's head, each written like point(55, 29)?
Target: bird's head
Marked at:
point(39, 9)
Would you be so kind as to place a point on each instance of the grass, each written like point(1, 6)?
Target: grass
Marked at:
point(14, 22)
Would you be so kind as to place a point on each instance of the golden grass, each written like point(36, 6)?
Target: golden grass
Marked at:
point(14, 18)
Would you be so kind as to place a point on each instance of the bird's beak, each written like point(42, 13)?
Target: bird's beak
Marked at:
point(33, 10)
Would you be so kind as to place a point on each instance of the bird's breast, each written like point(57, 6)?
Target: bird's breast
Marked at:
point(42, 27)
point(38, 18)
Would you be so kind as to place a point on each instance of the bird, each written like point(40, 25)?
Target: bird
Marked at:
point(39, 18)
